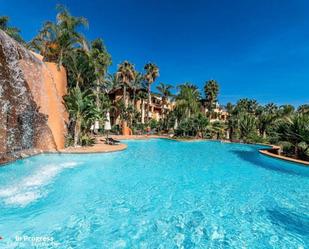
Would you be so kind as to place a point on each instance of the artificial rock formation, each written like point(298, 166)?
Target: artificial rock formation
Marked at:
point(32, 115)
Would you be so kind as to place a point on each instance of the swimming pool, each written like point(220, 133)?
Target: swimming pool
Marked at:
point(156, 194)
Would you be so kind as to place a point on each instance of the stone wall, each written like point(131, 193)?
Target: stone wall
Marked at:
point(32, 115)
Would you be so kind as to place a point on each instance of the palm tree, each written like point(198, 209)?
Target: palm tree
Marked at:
point(286, 110)
point(82, 110)
point(79, 70)
point(188, 100)
point(264, 121)
point(105, 105)
point(152, 72)
point(232, 121)
point(100, 59)
point(11, 31)
point(136, 85)
point(247, 105)
point(218, 129)
point(295, 130)
point(111, 83)
point(55, 40)
point(142, 95)
point(125, 74)
point(266, 116)
point(247, 125)
point(165, 92)
point(200, 123)
point(211, 90)
point(304, 109)
point(271, 108)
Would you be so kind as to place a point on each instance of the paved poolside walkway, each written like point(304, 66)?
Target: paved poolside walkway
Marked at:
point(101, 147)
point(97, 148)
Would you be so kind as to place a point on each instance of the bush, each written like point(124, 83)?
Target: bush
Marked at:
point(287, 148)
point(69, 140)
point(153, 124)
point(86, 140)
point(115, 129)
point(255, 138)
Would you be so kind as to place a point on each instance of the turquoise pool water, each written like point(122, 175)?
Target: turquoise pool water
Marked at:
point(156, 194)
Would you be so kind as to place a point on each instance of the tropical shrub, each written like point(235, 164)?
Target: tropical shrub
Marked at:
point(82, 110)
point(295, 130)
point(153, 124)
point(151, 73)
point(247, 126)
point(216, 130)
point(86, 140)
point(193, 126)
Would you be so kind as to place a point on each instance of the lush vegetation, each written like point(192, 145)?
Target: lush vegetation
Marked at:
point(188, 113)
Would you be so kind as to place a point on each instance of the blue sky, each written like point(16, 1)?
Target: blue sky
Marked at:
point(253, 48)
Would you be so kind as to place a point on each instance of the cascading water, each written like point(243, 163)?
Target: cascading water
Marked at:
point(31, 112)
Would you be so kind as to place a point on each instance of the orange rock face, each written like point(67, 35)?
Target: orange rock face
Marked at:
point(32, 114)
point(47, 84)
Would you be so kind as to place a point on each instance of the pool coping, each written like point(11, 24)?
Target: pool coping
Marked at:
point(268, 152)
point(70, 150)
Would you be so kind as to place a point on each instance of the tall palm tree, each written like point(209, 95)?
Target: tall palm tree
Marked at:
point(136, 85)
point(188, 100)
point(11, 31)
point(78, 67)
point(165, 92)
point(142, 95)
point(110, 83)
point(232, 121)
point(125, 74)
point(55, 40)
point(211, 90)
point(100, 59)
point(152, 72)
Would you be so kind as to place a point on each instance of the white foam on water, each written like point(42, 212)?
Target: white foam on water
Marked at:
point(217, 235)
point(22, 199)
point(30, 188)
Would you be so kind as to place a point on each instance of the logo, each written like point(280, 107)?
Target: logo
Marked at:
point(36, 240)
